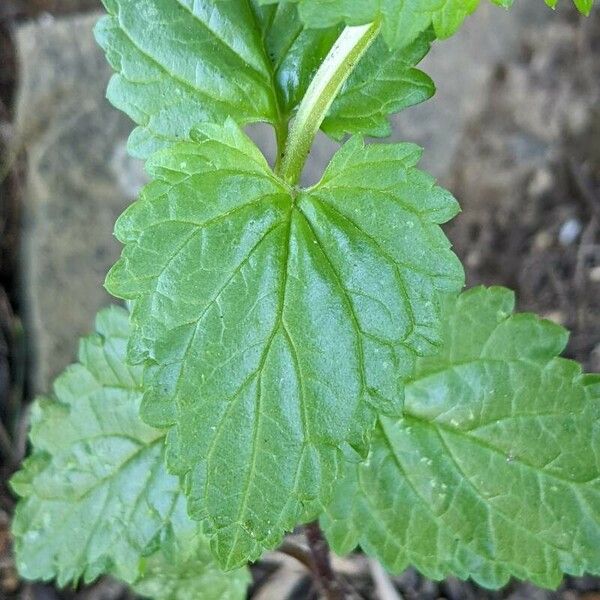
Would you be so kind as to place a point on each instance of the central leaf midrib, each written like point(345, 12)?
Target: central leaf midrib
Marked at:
point(347, 298)
point(259, 371)
point(281, 327)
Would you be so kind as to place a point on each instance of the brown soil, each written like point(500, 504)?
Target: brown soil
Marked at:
point(528, 179)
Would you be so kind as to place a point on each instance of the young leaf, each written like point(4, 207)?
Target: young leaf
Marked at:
point(187, 63)
point(384, 82)
point(96, 497)
point(494, 470)
point(402, 20)
point(295, 53)
point(276, 323)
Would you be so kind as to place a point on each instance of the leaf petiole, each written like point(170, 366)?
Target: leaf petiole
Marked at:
point(349, 48)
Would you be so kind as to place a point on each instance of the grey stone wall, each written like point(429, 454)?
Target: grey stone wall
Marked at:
point(78, 181)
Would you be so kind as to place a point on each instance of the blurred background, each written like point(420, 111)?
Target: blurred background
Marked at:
point(513, 131)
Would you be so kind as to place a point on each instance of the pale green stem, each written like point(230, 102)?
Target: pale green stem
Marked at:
point(329, 79)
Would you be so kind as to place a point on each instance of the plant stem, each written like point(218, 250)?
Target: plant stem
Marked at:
point(330, 586)
point(300, 553)
point(326, 84)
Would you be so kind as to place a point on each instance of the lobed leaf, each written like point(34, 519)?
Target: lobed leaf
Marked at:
point(276, 323)
point(181, 63)
point(494, 469)
point(96, 497)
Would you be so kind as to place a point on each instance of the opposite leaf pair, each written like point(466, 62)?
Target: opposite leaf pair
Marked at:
point(183, 63)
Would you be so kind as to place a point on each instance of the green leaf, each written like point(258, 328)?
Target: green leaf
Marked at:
point(583, 6)
point(295, 53)
point(184, 569)
point(181, 63)
point(325, 13)
point(175, 60)
point(384, 82)
point(96, 497)
point(402, 20)
point(494, 470)
point(277, 322)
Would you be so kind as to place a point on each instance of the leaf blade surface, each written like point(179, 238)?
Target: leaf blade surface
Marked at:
point(484, 476)
point(276, 322)
point(402, 20)
point(96, 497)
point(181, 63)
